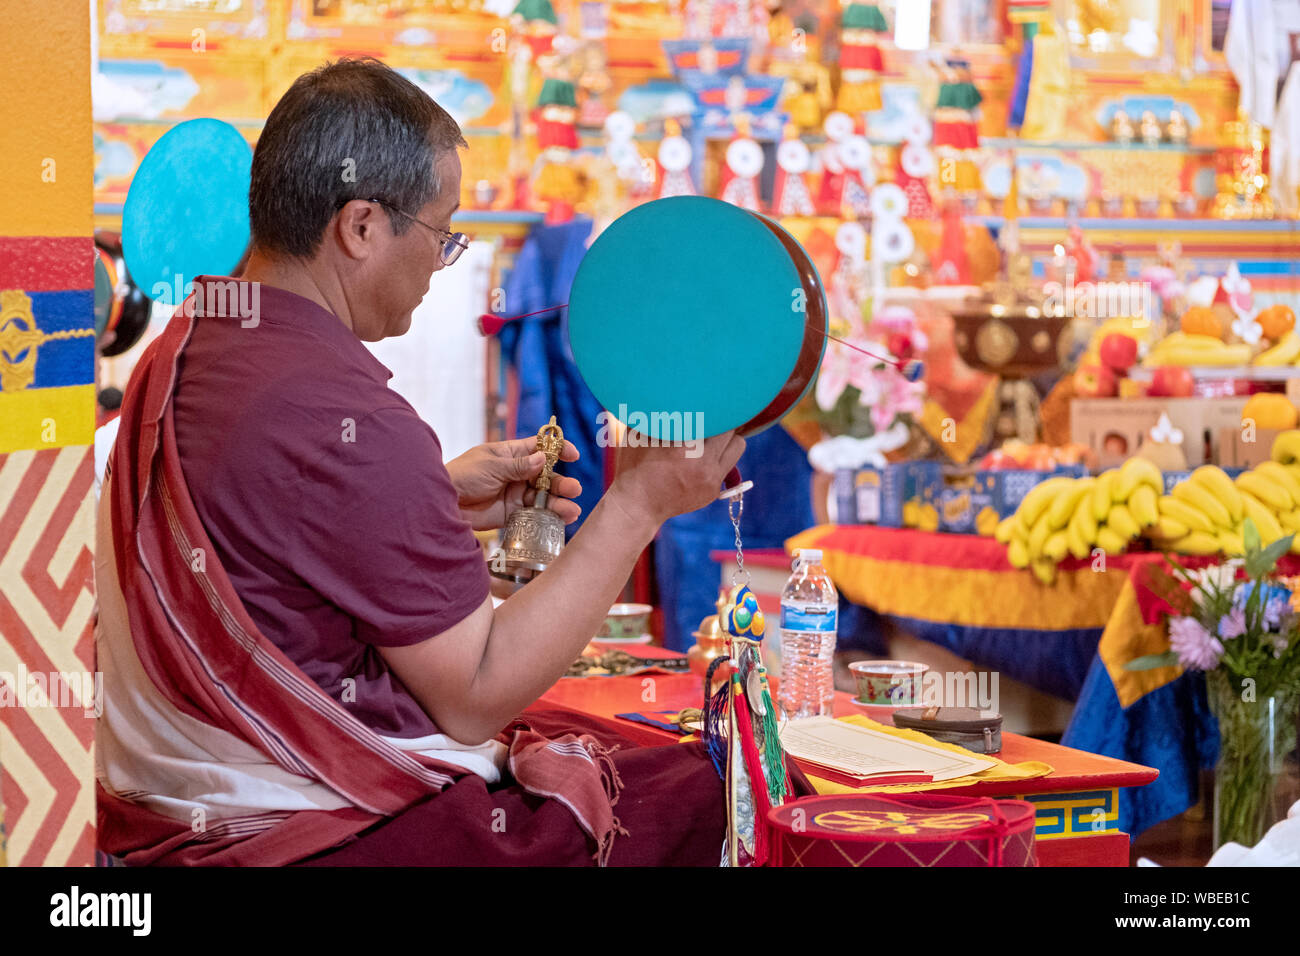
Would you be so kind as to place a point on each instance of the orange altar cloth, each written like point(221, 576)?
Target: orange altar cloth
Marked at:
point(1076, 803)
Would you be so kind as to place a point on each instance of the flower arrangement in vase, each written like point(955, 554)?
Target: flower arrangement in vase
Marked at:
point(1237, 621)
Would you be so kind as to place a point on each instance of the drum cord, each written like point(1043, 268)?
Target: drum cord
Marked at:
point(489, 324)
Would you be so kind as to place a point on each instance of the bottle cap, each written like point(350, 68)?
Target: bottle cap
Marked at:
point(807, 556)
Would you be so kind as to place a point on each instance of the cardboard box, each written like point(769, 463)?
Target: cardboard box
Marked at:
point(965, 495)
point(896, 485)
point(1293, 390)
point(1236, 452)
point(843, 497)
point(866, 495)
point(1115, 428)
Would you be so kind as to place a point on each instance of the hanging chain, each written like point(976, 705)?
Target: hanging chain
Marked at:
point(736, 508)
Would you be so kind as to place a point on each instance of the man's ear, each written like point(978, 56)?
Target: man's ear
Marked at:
point(357, 226)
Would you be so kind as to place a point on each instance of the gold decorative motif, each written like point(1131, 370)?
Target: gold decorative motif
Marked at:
point(895, 821)
point(550, 441)
point(1243, 190)
point(20, 339)
point(996, 342)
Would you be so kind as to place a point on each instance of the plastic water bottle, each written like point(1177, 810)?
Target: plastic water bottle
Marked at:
point(809, 616)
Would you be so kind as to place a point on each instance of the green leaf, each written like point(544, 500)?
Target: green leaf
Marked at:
point(1152, 661)
point(1250, 536)
point(1263, 562)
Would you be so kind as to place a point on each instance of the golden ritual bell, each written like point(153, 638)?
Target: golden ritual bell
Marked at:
point(533, 537)
point(711, 642)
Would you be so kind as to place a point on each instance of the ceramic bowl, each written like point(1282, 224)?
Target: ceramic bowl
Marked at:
point(888, 683)
point(625, 622)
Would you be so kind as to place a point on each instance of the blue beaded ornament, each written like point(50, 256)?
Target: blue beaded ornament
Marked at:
point(744, 619)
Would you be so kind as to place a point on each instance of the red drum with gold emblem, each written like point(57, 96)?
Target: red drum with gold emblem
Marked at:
point(913, 829)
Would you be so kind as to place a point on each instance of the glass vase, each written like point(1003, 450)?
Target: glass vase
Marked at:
point(1254, 783)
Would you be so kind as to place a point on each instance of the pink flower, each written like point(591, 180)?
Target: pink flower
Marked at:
point(842, 367)
point(832, 378)
point(1197, 648)
point(882, 389)
point(893, 396)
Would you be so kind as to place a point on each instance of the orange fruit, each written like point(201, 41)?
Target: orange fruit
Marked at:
point(1202, 320)
point(1276, 321)
point(1270, 411)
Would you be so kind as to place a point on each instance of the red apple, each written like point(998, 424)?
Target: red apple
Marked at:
point(1095, 381)
point(1171, 381)
point(1118, 352)
point(997, 460)
point(1040, 459)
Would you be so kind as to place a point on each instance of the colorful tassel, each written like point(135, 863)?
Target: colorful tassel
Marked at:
point(754, 770)
point(715, 715)
point(772, 750)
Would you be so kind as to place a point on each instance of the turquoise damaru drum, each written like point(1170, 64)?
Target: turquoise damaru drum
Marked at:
point(692, 316)
point(186, 213)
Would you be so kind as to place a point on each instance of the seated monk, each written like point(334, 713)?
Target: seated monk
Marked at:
point(302, 662)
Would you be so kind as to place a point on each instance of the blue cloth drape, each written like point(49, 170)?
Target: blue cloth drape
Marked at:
point(1171, 728)
point(1055, 662)
point(1020, 92)
point(538, 348)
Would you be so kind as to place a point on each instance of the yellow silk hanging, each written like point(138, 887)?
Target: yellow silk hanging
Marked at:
point(1046, 107)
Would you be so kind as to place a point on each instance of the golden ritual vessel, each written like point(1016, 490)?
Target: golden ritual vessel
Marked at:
point(533, 537)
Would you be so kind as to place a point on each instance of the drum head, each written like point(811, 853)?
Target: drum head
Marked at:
point(693, 310)
point(186, 213)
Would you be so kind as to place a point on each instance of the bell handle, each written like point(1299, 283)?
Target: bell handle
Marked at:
point(732, 485)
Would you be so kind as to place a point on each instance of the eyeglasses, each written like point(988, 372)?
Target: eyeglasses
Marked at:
point(453, 243)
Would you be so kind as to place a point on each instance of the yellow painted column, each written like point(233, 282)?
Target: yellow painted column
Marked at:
point(47, 410)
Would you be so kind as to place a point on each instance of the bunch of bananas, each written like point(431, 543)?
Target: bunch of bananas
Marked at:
point(1205, 514)
point(1185, 348)
point(1063, 516)
point(1285, 352)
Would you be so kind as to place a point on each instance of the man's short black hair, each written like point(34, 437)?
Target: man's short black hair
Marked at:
point(353, 129)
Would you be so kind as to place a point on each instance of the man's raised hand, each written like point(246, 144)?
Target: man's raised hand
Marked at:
point(495, 479)
point(656, 483)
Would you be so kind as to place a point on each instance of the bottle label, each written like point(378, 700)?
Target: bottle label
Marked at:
point(809, 619)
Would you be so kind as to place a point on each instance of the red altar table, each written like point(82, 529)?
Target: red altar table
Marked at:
point(1077, 803)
